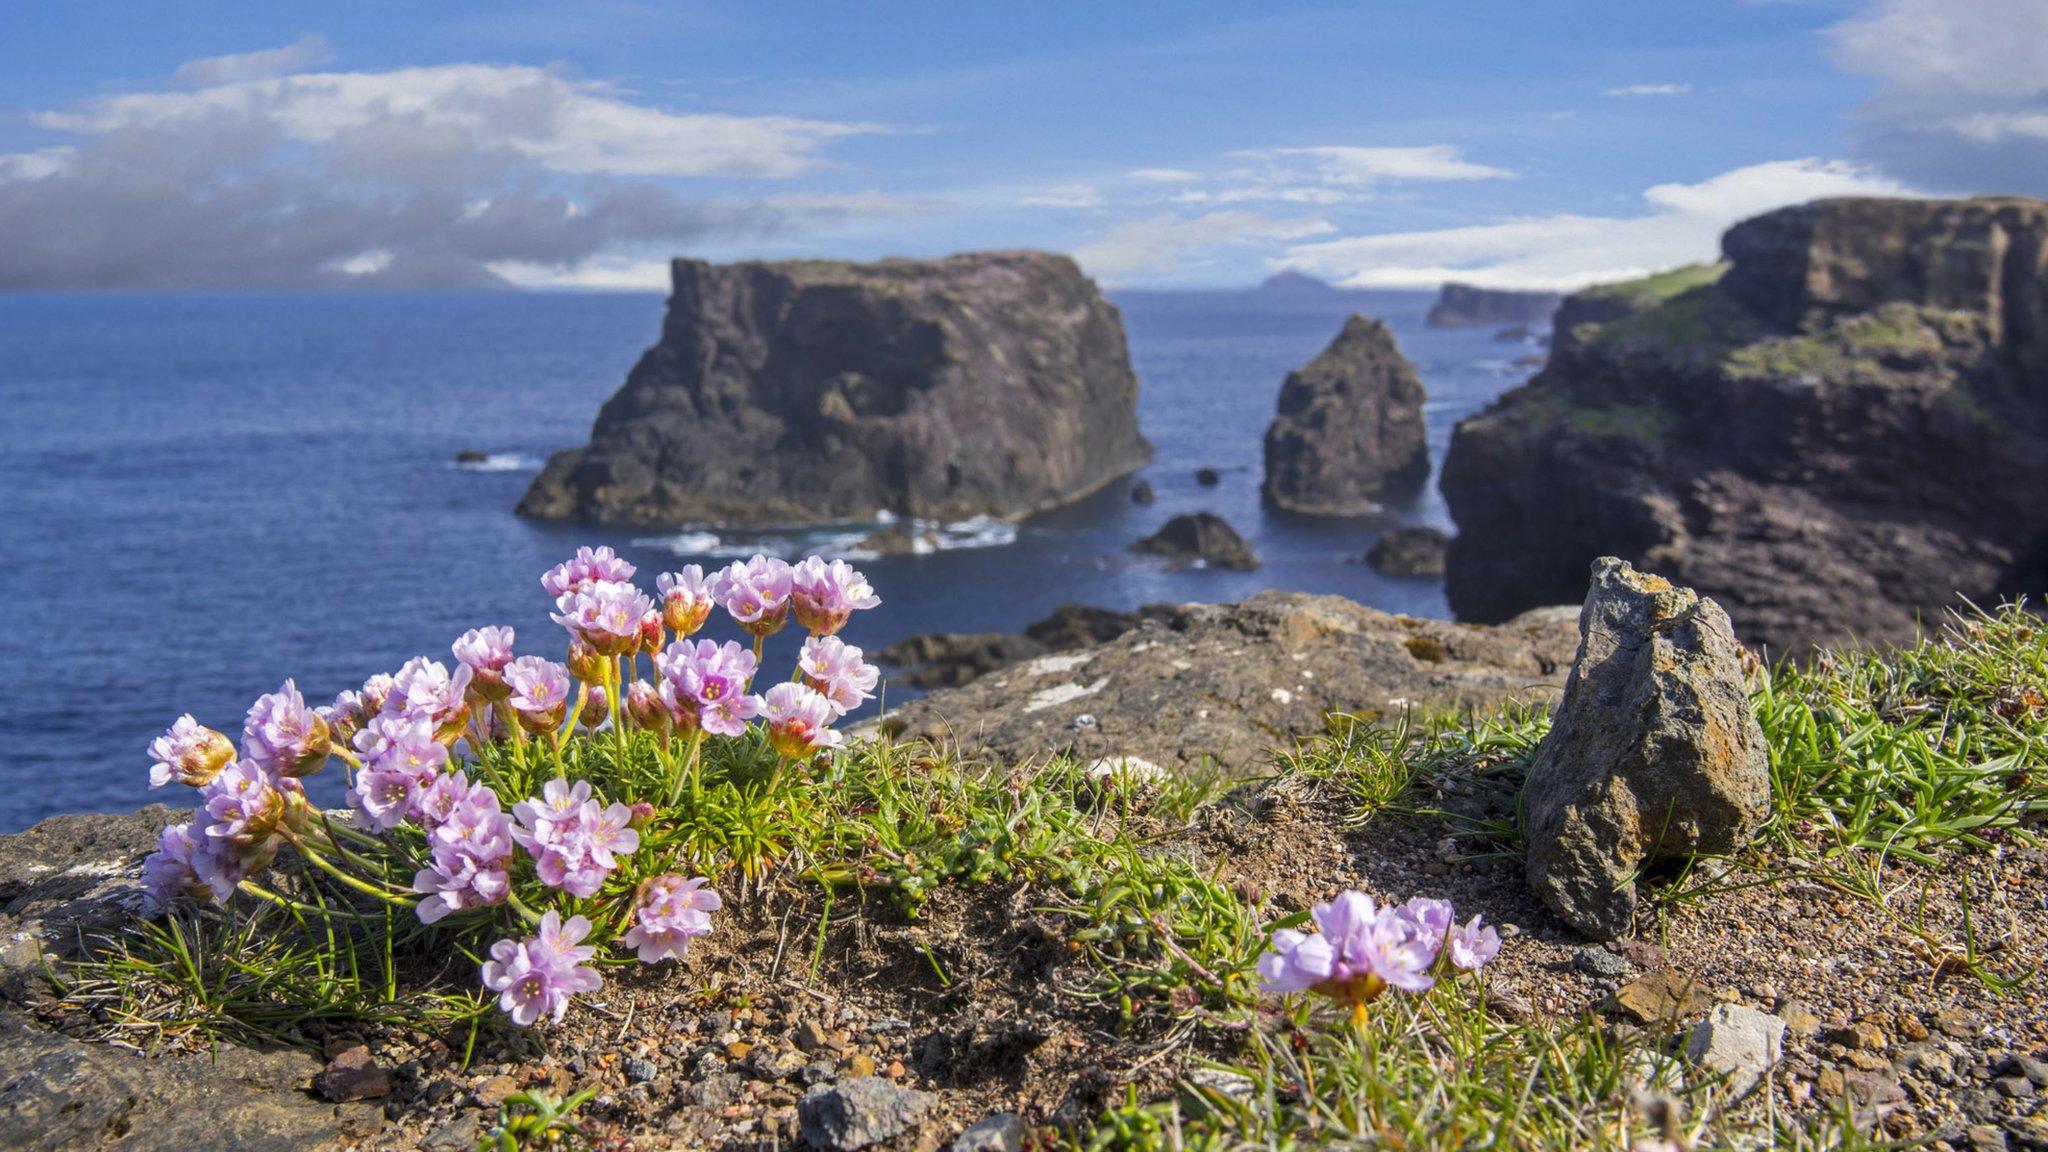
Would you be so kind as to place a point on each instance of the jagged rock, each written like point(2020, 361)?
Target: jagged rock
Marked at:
point(1462, 305)
point(1207, 477)
point(1411, 550)
point(1349, 429)
point(1738, 1042)
point(1202, 536)
point(814, 391)
point(1228, 683)
point(1002, 1132)
point(953, 659)
point(1832, 434)
point(1652, 755)
point(1141, 492)
point(859, 1112)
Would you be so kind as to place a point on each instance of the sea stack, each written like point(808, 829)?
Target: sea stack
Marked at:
point(1466, 305)
point(815, 391)
point(1833, 433)
point(1349, 430)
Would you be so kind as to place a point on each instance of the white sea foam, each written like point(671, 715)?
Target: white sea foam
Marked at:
point(846, 541)
point(500, 462)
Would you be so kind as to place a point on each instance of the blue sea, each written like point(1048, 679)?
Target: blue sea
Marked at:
point(201, 495)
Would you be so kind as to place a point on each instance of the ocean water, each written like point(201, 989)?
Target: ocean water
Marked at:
point(201, 495)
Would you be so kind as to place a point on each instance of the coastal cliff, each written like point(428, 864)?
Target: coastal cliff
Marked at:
point(1467, 305)
point(815, 391)
point(1833, 432)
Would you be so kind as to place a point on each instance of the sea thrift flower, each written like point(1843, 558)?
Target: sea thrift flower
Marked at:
point(424, 690)
point(187, 862)
point(713, 678)
point(588, 566)
point(585, 663)
point(1361, 951)
point(536, 977)
point(375, 694)
point(1473, 945)
point(283, 735)
point(248, 804)
point(1433, 917)
point(575, 842)
point(823, 595)
point(539, 692)
point(686, 599)
point(188, 753)
point(604, 615)
point(344, 717)
point(797, 719)
point(671, 912)
point(597, 709)
point(651, 635)
point(644, 705)
point(835, 669)
point(401, 760)
point(485, 652)
point(756, 593)
point(470, 849)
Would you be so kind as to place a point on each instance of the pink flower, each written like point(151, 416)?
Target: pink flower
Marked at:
point(1473, 945)
point(485, 652)
point(756, 593)
point(836, 671)
point(713, 678)
point(188, 753)
point(670, 913)
point(248, 804)
point(604, 615)
point(423, 690)
point(644, 705)
point(588, 566)
point(797, 719)
point(575, 842)
point(686, 599)
point(470, 849)
point(375, 694)
point(401, 761)
point(187, 862)
point(537, 976)
point(539, 692)
point(824, 595)
point(1361, 950)
point(283, 735)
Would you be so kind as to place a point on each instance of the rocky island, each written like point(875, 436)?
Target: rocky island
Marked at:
point(1832, 433)
point(1468, 305)
point(1349, 430)
point(814, 391)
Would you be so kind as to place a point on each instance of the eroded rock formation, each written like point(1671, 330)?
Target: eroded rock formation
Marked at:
point(1199, 536)
point(1833, 433)
point(816, 391)
point(1467, 305)
point(1349, 430)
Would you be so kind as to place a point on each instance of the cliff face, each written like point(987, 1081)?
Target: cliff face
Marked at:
point(1833, 434)
point(815, 391)
point(1462, 305)
point(1349, 428)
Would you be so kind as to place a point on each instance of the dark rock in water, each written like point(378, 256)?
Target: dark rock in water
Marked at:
point(1294, 283)
point(1833, 434)
point(1653, 755)
point(1461, 305)
point(1228, 683)
point(1527, 362)
point(471, 456)
point(860, 1112)
point(1207, 477)
point(1202, 536)
point(1411, 550)
point(817, 391)
point(1141, 492)
point(1079, 625)
point(1349, 429)
point(950, 659)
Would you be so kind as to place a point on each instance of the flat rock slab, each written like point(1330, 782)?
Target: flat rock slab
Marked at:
point(1230, 683)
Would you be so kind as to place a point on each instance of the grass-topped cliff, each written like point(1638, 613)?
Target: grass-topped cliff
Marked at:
point(1077, 948)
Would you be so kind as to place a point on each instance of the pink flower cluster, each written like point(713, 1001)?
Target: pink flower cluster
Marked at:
point(704, 685)
point(536, 976)
point(670, 913)
point(1364, 949)
point(469, 846)
point(575, 841)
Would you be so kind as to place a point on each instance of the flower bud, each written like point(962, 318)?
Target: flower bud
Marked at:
point(189, 753)
point(643, 815)
point(644, 705)
point(651, 638)
point(585, 663)
point(595, 709)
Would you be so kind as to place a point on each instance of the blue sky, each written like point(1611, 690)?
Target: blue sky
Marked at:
point(209, 145)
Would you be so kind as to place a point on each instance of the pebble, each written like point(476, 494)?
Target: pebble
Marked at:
point(1800, 1022)
point(860, 1064)
point(352, 1075)
point(1665, 994)
point(809, 1037)
point(859, 1112)
point(639, 1070)
point(492, 1093)
point(1002, 1132)
point(1594, 960)
point(1738, 1042)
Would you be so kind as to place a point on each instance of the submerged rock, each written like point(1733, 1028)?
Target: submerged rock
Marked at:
point(813, 391)
point(1207, 477)
point(1653, 753)
point(1202, 536)
point(1349, 430)
point(1225, 684)
point(1410, 550)
point(1465, 305)
point(1832, 434)
point(1141, 492)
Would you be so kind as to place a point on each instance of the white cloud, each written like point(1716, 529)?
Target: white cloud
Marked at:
point(1064, 196)
point(1649, 90)
point(35, 165)
point(1348, 165)
point(1167, 244)
point(1962, 96)
point(1164, 175)
point(1571, 251)
point(307, 51)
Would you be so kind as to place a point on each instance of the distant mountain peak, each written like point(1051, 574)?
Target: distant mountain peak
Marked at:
point(1292, 281)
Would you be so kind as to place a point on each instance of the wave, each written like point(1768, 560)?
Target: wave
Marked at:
point(499, 462)
point(845, 541)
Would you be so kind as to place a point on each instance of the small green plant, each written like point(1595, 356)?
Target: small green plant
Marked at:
point(535, 1119)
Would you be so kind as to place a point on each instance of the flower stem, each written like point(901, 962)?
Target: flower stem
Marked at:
point(321, 862)
point(519, 906)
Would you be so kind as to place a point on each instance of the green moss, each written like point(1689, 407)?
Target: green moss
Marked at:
point(1866, 346)
point(1701, 323)
point(1427, 649)
point(1645, 422)
point(1656, 289)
